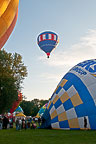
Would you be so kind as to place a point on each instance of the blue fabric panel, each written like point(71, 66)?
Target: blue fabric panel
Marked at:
point(50, 106)
point(81, 110)
point(54, 119)
point(47, 122)
point(74, 128)
point(46, 36)
point(58, 103)
point(59, 88)
point(90, 108)
point(83, 92)
point(67, 85)
point(48, 32)
point(47, 49)
point(68, 105)
point(44, 45)
point(92, 121)
point(47, 42)
point(64, 124)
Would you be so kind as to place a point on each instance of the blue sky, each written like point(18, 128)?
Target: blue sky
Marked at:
point(75, 23)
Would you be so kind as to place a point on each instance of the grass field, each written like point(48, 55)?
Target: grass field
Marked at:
point(40, 136)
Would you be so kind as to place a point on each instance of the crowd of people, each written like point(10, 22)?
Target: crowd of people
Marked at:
point(19, 123)
point(25, 123)
point(5, 123)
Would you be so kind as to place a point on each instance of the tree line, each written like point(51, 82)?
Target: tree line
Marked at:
point(12, 73)
point(31, 108)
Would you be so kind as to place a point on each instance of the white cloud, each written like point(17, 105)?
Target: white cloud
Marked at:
point(51, 77)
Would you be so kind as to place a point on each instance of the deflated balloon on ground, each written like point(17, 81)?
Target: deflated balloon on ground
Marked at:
point(73, 103)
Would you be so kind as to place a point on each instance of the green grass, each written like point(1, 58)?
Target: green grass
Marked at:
point(40, 136)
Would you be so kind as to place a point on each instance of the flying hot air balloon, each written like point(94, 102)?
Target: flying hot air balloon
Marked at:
point(8, 18)
point(47, 41)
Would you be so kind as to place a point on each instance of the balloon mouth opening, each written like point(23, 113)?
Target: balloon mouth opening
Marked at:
point(48, 54)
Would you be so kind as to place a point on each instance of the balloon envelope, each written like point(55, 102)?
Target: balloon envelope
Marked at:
point(16, 103)
point(41, 111)
point(74, 99)
point(8, 18)
point(47, 41)
point(19, 109)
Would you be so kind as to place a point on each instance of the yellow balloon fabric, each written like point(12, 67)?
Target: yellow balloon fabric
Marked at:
point(3, 5)
point(8, 9)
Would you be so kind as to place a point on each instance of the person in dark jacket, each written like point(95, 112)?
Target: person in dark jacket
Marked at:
point(5, 122)
point(85, 122)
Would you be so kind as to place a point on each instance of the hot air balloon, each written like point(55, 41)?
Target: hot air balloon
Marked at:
point(73, 103)
point(41, 111)
point(8, 18)
point(18, 109)
point(16, 103)
point(47, 41)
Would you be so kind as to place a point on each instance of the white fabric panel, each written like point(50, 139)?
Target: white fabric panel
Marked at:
point(81, 122)
point(60, 109)
point(92, 90)
point(71, 114)
point(52, 110)
point(61, 92)
point(88, 124)
point(71, 91)
point(44, 36)
point(50, 36)
point(55, 125)
point(65, 128)
point(54, 37)
point(39, 38)
point(89, 79)
point(95, 101)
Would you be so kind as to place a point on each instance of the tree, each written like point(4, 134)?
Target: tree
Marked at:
point(31, 108)
point(12, 74)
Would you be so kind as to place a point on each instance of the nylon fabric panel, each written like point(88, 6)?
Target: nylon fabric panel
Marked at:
point(55, 125)
point(5, 37)
point(62, 116)
point(60, 109)
point(76, 100)
point(3, 5)
point(73, 123)
point(8, 16)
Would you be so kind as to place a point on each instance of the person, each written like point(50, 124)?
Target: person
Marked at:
point(1, 123)
point(23, 123)
point(39, 121)
point(85, 122)
point(11, 123)
point(17, 124)
point(20, 123)
point(5, 122)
